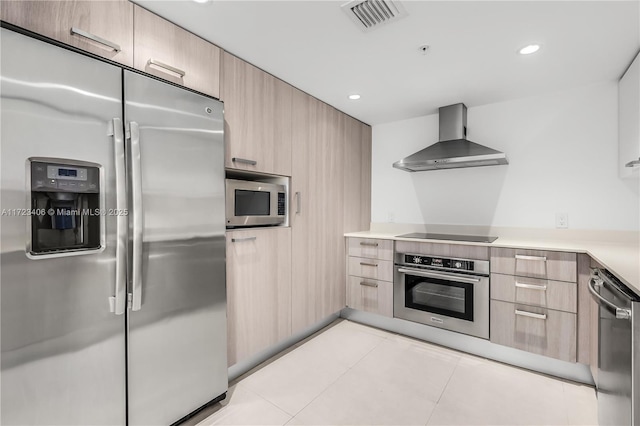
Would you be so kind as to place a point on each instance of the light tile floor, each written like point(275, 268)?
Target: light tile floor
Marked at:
point(351, 374)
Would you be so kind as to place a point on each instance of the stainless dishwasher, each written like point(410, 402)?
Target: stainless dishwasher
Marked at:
point(618, 382)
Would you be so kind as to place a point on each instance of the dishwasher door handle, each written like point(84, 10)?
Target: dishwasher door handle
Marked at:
point(621, 313)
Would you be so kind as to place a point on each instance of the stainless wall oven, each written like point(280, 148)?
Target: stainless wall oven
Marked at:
point(443, 292)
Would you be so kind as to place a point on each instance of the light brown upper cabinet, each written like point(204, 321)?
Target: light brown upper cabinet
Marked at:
point(174, 54)
point(258, 120)
point(104, 28)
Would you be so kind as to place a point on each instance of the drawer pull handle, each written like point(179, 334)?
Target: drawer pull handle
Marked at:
point(369, 264)
point(531, 286)
point(633, 163)
point(166, 67)
point(369, 244)
point(239, 240)
point(531, 314)
point(244, 161)
point(368, 284)
point(538, 258)
point(77, 31)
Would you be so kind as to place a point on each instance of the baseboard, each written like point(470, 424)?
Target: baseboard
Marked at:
point(473, 345)
point(245, 365)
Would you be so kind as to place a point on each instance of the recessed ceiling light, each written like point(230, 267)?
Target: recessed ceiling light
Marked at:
point(202, 1)
point(529, 49)
point(354, 97)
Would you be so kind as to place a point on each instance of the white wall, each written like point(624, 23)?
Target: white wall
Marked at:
point(562, 151)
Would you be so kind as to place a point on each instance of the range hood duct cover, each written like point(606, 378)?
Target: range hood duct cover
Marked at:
point(453, 150)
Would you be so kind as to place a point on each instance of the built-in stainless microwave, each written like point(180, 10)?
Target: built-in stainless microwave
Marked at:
point(251, 203)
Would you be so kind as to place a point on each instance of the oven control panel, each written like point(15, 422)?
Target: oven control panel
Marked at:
point(439, 262)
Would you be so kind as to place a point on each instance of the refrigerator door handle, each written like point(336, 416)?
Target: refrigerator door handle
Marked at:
point(136, 195)
point(118, 303)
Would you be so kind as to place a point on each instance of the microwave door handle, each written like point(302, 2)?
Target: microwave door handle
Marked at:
point(136, 219)
point(439, 275)
point(120, 296)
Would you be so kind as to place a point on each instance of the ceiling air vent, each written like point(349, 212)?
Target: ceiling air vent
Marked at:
point(371, 14)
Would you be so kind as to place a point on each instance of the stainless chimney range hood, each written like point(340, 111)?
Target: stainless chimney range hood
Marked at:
point(453, 150)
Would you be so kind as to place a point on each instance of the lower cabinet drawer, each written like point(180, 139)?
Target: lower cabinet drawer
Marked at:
point(559, 295)
point(534, 329)
point(371, 268)
point(370, 295)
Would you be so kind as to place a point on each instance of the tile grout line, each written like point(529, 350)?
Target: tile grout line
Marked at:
point(443, 391)
point(341, 375)
point(265, 399)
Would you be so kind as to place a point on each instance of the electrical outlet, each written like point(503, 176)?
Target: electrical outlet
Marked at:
point(391, 217)
point(562, 220)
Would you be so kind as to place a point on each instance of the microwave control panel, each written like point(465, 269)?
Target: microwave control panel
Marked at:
point(281, 204)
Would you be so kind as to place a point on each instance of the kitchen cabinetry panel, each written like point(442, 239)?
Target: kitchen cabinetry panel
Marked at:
point(174, 54)
point(550, 294)
point(317, 186)
point(369, 295)
point(371, 248)
point(258, 290)
point(371, 268)
point(370, 275)
point(258, 118)
point(552, 265)
point(629, 121)
point(440, 249)
point(356, 139)
point(534, 329)
point(584, 300)
point(110, 23)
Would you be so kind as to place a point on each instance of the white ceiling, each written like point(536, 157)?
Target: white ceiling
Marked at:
point(472, 57)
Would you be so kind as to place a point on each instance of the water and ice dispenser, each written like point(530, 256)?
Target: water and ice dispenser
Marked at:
point(66, 210)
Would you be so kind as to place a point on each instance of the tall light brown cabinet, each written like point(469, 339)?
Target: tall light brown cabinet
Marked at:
point(283, 131)
point(317, 214)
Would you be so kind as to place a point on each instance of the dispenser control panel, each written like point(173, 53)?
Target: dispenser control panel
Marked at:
point(64, 177)
point(73, 173)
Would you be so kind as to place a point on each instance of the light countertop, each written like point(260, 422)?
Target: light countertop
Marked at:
point(617, 251)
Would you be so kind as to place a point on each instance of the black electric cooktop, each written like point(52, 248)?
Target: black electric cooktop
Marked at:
point(450, 237)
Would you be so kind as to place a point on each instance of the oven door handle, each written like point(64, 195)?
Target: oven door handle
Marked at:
point(438, 275)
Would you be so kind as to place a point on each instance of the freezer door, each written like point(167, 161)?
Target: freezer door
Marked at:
point(63, 351)
point(177, 324)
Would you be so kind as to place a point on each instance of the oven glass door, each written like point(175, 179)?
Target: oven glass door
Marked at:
point(439, 296)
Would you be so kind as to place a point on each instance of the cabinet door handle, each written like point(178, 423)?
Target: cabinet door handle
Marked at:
point(166, 67)
point(368, 284)
point(368, 264)
point(633, 163)
point(531, 314)
point(239, 240)
point(244, 161)
point(531, 286)
point(369, 244)
point(538, 258)
point(77, 31)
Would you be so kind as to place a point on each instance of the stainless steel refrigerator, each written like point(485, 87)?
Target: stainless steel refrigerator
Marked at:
point(113, 303)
